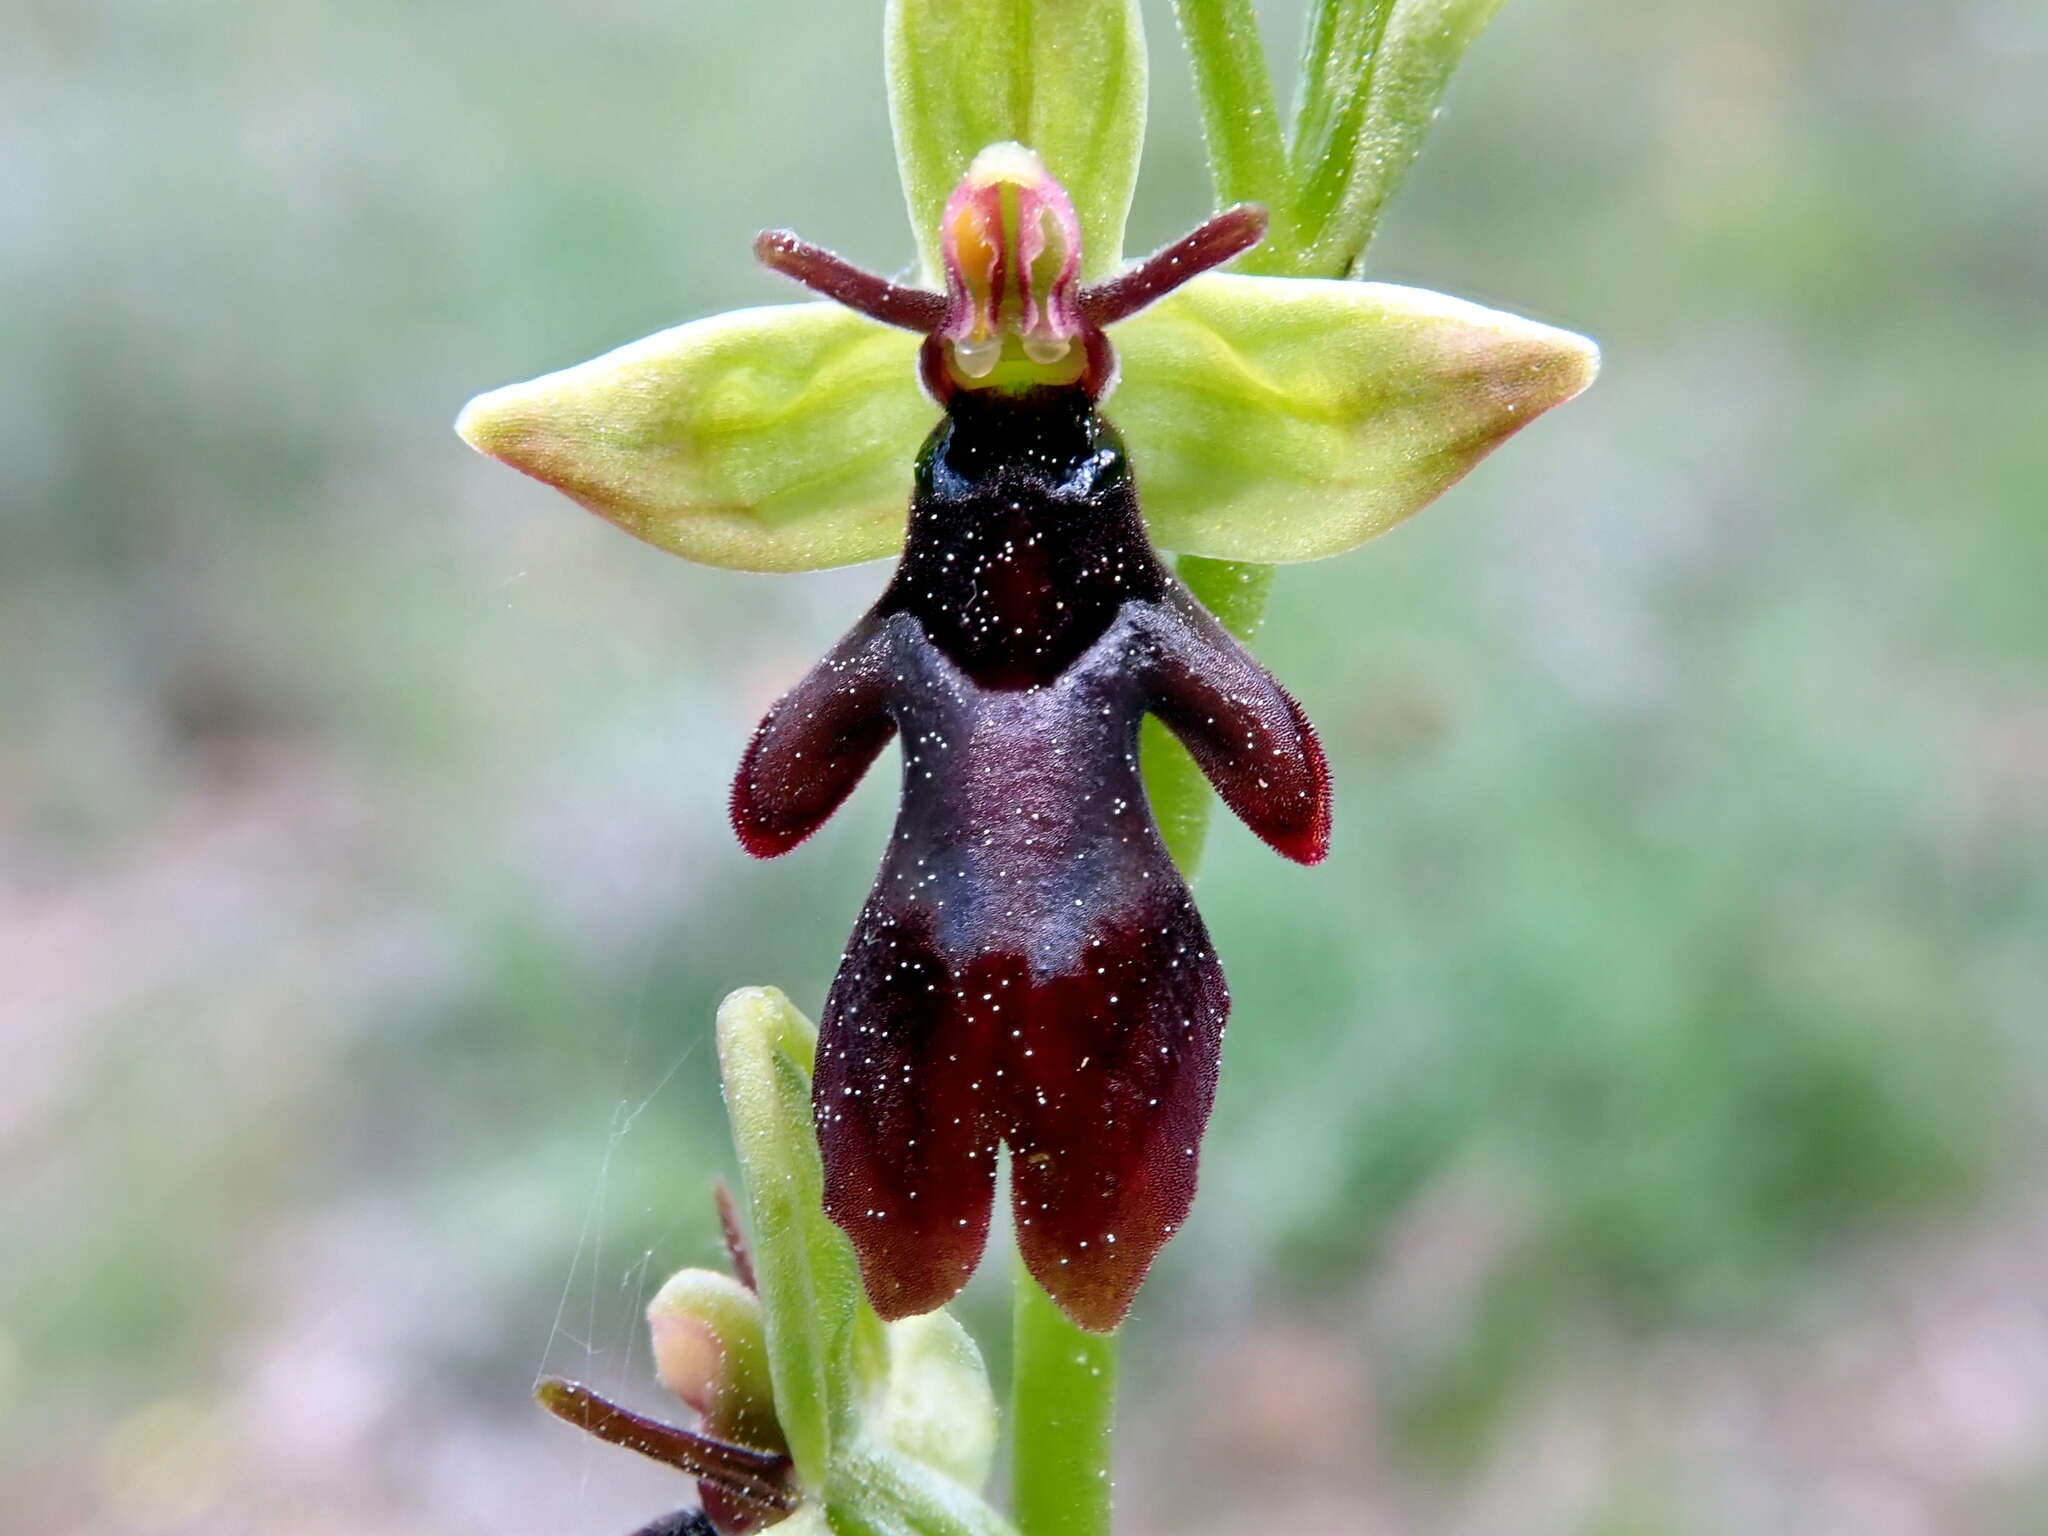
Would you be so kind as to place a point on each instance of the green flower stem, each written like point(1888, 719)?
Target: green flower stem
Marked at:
point(1062, 1407)
point(1247, 153)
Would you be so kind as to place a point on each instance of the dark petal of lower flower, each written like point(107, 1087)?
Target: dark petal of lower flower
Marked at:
point(1103, 1094)
point(905, 1059)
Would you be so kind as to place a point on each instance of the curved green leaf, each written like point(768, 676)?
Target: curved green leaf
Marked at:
point(1240, 125)
point(1284, 419)
point(1065, 77)
point(1340, 45)
point(774, 439)
point(1368, 103)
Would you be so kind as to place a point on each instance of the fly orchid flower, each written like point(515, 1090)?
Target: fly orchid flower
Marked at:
point(1029, 968)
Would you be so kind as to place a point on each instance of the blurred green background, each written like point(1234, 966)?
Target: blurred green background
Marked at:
point(1635, 1127)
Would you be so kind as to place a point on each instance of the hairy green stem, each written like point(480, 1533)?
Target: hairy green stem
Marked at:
point(1063, 1407)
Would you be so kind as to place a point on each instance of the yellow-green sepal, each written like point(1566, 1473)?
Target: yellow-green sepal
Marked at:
point(1064, 77)
point(1285, 419)
point(772, 439)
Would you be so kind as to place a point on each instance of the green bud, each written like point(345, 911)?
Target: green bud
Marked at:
point(710, 1351)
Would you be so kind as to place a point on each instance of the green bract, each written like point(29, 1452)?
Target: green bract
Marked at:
point(1269, 419)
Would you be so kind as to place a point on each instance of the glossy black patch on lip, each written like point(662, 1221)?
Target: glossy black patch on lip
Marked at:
point(1025, 539)
point(1029, 967)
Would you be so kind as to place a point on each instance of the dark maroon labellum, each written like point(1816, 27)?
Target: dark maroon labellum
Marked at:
point(1029, 967)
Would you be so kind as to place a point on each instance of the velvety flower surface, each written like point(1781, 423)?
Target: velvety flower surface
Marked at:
point(1029, 968)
